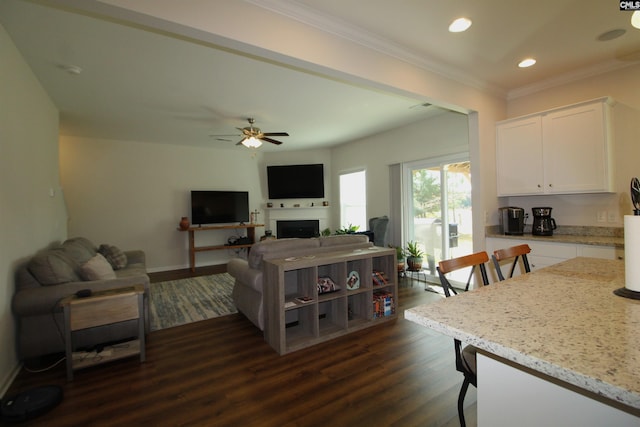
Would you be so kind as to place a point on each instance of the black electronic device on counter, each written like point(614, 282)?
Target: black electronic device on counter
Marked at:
point(543, 224)
point(512, 220)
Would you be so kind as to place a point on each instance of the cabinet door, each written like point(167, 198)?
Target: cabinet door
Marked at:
point(519, 157)
point(576, 150)
point(606, 252)
point(543, 254)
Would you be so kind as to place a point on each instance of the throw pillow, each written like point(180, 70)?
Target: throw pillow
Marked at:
point(114, 255)
point(53, 267)
point(97, 268)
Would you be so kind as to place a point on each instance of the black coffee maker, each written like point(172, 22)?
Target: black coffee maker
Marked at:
point(543, 224)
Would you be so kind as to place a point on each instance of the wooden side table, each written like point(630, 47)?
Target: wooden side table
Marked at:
point(99, 309)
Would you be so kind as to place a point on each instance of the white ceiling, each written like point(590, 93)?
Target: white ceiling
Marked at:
point(145, 85)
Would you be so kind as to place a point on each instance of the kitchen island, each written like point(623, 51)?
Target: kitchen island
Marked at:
point(556, 346)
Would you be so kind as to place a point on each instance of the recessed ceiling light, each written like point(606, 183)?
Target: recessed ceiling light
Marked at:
point(635, 19)
point(526, 63)
point(610, 35)
point(460, 25)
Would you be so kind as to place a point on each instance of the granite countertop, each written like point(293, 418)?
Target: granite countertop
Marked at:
point(582, 235)
point(563, 321)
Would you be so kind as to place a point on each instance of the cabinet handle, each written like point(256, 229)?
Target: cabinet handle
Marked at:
point(539, 186)
point(550, 185)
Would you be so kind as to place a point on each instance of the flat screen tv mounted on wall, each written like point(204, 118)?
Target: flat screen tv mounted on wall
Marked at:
point(296, 181)
point(219, 207)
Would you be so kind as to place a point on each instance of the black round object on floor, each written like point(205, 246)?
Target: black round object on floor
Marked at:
point(31, 403)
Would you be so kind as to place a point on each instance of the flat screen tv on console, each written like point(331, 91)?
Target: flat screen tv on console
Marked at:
point(296, 181)
point(219, 207)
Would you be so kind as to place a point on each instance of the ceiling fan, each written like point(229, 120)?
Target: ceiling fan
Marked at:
point(252, 137)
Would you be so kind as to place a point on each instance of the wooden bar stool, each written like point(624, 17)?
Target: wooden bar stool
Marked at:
point(465, 356)
point(514, 252)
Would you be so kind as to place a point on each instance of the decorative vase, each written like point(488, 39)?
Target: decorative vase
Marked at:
point(184, 223)
point(414, 263)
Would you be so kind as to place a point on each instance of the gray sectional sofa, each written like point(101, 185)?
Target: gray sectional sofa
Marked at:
point(56, 273)
point(247, 290)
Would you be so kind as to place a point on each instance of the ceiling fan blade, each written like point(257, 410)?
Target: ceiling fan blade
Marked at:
point(240, 142)
point(275, 134)
point(273, 141)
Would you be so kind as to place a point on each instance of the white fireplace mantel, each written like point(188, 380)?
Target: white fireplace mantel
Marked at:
point(272, 215)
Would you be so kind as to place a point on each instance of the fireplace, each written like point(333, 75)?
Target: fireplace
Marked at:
point(298, 228)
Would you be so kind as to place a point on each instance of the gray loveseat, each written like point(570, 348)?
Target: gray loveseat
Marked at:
point(56, 273)
point(247, 290)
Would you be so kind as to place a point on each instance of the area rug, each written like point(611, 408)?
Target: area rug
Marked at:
point(178, 302)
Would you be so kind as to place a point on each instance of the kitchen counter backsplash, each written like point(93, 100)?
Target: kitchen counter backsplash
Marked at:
point(586, 235)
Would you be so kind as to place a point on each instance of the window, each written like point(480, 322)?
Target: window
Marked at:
point(353, 200)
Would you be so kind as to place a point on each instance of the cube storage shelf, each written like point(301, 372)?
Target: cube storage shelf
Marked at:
point(291, 324)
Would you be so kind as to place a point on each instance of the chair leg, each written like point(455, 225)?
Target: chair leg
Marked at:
point(463, 393)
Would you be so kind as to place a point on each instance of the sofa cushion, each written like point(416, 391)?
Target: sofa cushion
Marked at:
point(79, 249)
point(53, 267)
point(343, 239)
point(278, 248)
point(114, 255)
point(97, 268)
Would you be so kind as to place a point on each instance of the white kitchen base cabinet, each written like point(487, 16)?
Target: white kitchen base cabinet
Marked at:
point(544, 254)
point(567, 150)
point(511, 396)
point(292, 324)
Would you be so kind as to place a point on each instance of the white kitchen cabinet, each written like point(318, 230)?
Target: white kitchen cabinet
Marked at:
point(561, 151)
point(519, 156)
point(606, 252)
point(544, 254)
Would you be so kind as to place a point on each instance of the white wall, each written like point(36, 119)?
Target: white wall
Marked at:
point(444, 134)
point(133, 194)
point(624, 87)
point(221, 23)
point(32, 214)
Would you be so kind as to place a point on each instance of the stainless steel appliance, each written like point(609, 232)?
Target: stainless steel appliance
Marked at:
point(543, 224)
point(512, 220)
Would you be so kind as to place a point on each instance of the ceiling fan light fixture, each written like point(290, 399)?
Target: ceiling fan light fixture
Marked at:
point(528, 62)
point(460, 25)
point(635, 19)
point(252, 142)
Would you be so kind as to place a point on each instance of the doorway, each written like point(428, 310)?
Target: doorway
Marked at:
point(437, 214)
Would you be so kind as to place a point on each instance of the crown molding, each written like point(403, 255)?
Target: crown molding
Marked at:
point(334, 25)
point(573, 76)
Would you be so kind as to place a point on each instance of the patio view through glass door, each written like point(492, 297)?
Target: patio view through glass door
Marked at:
point(438, 211)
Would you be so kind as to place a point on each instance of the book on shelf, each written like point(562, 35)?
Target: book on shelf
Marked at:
point(383, 304)
point(379, 278)
point(304, 299)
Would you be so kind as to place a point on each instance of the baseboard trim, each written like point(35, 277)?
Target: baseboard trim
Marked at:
point(4, 386)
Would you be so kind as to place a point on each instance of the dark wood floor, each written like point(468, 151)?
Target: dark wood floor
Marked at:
point(220, 372)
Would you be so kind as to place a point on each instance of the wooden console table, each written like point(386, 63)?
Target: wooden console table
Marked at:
point(251, 234)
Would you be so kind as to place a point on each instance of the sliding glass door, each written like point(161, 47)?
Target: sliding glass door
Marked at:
point(437, 214)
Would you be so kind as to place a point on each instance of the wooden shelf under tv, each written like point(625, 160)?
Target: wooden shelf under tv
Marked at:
point(251, 234)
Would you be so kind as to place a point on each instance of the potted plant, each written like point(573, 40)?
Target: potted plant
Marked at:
point(414, 260)
point(400, 258)
point(350, 229)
